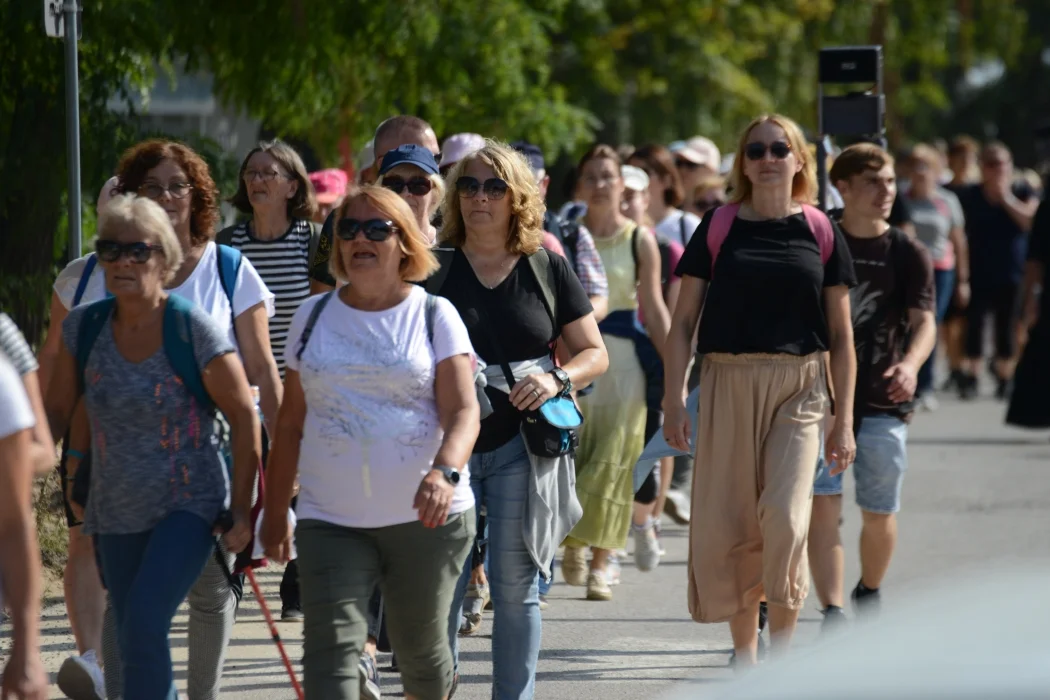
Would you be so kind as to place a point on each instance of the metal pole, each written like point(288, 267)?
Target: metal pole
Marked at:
point(73, 127)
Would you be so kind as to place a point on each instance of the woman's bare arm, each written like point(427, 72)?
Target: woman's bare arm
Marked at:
point(253, 336)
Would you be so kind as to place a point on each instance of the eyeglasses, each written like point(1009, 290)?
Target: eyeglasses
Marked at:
point(683, 164)
point(756, 150)
point(707, 204)
point(494, 187)
point(155, 191)
point(375, 230)
point(419, 186)
point(264, 175)
point(112, 251)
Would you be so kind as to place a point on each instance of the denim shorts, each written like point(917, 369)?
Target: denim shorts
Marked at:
point(882, 459)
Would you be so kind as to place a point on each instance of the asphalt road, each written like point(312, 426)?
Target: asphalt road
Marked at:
point(976, 495)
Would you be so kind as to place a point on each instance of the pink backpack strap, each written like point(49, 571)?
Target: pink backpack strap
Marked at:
point(820, 225)
point(721, 222)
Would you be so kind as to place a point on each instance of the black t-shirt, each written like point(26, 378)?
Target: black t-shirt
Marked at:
point(514, 314)
point(997, 243)
point(767, 293)
point(900, 214)
point(894, 274)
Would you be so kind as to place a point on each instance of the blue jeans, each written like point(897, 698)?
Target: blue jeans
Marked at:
point(882, 459)
point(500, 480)
point(944, 284)
point(148, 575)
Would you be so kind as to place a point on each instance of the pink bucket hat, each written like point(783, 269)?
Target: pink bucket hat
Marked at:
point(330, 185)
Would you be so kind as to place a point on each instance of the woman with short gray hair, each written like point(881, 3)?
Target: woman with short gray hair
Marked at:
point(153, 369)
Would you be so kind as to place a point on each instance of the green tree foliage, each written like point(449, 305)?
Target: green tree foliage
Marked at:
point(558, 72)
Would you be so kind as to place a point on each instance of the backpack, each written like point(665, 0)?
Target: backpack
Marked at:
point(178, 343)
point(664, 246)
point(722, 220)
point(315, 313)
point(568, 232)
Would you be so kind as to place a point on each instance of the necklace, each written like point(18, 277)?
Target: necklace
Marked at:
point(497, 278)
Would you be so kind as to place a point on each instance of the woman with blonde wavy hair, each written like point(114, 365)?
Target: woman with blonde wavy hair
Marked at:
point(780, 303)
point(378, 422)
point(494, 227)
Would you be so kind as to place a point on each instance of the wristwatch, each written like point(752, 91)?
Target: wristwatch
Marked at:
point(563, 378)
point(451, 475)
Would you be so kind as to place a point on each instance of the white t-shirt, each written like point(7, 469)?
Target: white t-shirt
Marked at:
point(16, 414)
point(203, 287)
point(678, 226)
point(372, 429)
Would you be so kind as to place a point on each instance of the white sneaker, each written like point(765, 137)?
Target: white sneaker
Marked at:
point(677, 506)
point(80, 678)
point(597, 587)
point(929, 402)
point(646, 546)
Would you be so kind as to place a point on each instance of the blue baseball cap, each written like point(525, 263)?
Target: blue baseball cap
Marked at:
point(409, 154)
point(532, 153)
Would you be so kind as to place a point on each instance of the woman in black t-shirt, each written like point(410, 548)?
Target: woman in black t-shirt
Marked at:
point(780, 303)
point(493, 221)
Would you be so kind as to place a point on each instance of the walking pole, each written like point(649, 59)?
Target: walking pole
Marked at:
point(274, 633)
point(225, 522)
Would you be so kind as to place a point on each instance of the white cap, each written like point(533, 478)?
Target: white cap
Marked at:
point(459, 146)
point(107, 192)
point(699, 150)
point(634, 178)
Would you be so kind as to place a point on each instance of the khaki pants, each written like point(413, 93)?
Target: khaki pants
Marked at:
point(758, 441)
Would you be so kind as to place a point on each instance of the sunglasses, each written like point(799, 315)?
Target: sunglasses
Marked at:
point(494, 187)
point(756, 150)
point(112, 251)
point(419, 186)
point(375, 230)
point(707, 204)
point(683, 164)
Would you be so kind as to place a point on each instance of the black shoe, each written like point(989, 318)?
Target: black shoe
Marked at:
point(834, 619)
point(967, 387)
point(953, 381)
point(763, 616)
point(291, 612)
point(866, 601)
point(1003, 389)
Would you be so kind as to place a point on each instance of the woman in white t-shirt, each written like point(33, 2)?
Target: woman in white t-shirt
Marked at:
point(379, 421)
point(178, 179)
point(666, 194)
point(24, 676)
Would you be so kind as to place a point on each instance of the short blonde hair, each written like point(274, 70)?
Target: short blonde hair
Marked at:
point(803, 186)
point(419, 262)
point(526, 205)
point(145, 215)
point(923, 153)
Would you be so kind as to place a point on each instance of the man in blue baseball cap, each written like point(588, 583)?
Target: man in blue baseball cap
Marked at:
point(411, 171)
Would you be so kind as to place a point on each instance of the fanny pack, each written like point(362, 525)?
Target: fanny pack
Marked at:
point(551, 430)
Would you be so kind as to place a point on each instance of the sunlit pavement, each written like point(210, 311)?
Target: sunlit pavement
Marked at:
point(977, 493)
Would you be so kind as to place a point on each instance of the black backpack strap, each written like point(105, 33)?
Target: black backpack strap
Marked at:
point(543, 270)
point(311, 321)
point(436, 281)
point(225, 236)
point(634, 250)
point(681, 229)
point(429, 315)
point(315, 239)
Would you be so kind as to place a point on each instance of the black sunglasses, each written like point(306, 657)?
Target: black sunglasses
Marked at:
point(419, 185)
point(494, 187)
point(756, 150)
point(112, 251)
point(707, 204)
point(683, 164)
point(375, 230)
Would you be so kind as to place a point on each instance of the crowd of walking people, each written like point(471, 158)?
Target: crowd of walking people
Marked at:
point(416, 385)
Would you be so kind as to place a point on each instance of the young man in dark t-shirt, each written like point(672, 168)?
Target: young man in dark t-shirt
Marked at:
point(894, 332)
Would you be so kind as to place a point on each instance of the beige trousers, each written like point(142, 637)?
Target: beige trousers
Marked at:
point(758, 440)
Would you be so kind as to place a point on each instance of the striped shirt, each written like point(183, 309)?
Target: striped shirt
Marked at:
point(13, 344)
point(283, 264)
